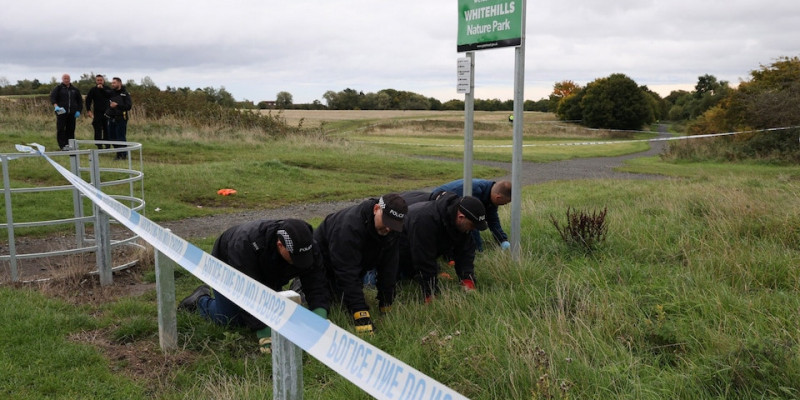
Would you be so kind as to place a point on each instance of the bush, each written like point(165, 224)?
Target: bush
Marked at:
point(582, 230)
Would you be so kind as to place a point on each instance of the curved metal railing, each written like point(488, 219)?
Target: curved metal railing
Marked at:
point(104, 173)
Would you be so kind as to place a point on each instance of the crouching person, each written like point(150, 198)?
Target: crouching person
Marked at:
point(271, 252)
point(355, 240)
point(441, 227)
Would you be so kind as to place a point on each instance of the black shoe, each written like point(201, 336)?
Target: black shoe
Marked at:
point(190, 302)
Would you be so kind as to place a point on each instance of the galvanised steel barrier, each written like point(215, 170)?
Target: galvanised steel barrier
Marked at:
point(83, 159)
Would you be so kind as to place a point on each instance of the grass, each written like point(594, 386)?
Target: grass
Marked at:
point(694, 294)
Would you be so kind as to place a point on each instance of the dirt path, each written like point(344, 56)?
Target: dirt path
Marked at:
point(532, 173)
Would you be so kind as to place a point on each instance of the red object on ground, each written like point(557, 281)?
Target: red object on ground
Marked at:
point(226, 192)
point(468, 284)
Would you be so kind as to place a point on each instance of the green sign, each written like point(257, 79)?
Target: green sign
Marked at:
point(488, 24)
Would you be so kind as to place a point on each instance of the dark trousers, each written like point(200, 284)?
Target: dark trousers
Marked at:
point(65, 129)
point(100, 126)
point(220, 310)
point(117, 131)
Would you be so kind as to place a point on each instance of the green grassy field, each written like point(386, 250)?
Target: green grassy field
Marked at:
point(693, 295)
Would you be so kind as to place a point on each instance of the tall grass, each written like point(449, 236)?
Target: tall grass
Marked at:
point(694, 294)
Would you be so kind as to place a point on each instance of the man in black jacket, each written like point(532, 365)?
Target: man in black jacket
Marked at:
point(117, 113)
point(97, 98)
point(272, 252)
point(67, 104)
point(358, 239)
point(436, 228)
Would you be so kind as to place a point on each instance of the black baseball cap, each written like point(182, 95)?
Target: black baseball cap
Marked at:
point(473, 209)
point(298, 239)
point(394, 211)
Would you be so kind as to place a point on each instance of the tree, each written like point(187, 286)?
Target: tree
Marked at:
point(570, 108)
point(147, 82)
point(615, 102)
point(283, 100)
point(770, 98)
point(562, 90)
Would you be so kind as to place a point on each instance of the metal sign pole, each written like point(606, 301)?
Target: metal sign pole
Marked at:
point(516, 158)
point(469, 118)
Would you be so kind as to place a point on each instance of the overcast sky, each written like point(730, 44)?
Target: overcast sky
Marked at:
point(257, 48)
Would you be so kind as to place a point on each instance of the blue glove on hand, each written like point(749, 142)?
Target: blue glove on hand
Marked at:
point(321, 312)
point(60, 110)
point(77, 114)
point(505, 245)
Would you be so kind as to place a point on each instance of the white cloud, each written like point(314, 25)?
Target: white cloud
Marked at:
point(257, 48)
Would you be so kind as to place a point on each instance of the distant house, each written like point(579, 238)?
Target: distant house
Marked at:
point(267, 104)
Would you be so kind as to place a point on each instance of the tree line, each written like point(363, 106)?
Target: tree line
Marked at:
point(347, 99)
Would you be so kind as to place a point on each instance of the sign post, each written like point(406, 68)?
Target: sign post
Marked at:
point(490, 24)
point(466, 85)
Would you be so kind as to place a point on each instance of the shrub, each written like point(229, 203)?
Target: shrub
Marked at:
point(583, 230)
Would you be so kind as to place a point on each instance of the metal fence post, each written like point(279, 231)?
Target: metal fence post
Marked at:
point(167, 313)
point(12, 246)
point(287, 363)
point(77, 199)
point(102, 233)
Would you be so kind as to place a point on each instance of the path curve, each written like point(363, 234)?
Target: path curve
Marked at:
point(532, 173)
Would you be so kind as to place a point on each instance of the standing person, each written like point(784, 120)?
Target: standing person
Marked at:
point(492, 194)
point(437, 228)
point(67, 103)
point(272, 252)
point(355, 240)
point(97, 98)
point(117, 114)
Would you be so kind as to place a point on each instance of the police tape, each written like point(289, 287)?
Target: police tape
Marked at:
point(373, 370)
point(597, 142)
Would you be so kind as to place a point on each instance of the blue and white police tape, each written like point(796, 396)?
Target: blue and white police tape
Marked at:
point(363, 364)
point(661, 139)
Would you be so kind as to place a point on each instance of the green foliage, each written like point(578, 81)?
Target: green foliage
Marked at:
point(763, 102)
point(570, 108)
point(283, 100)
point(616, 102)
point(708, 93)
point(694, 296)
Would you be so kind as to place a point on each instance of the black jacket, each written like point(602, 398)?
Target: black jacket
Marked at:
point(97, 97)
point(429, 231)
point(350, 247)
point(416, 196)
point(250, 248)
point(68, 97)
point(123, 100)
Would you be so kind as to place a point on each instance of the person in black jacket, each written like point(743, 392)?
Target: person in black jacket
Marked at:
point(97, 98)
point(67, 104)
point(441, 227)
point(358, 239)
point(272, 252)
point(117, 114)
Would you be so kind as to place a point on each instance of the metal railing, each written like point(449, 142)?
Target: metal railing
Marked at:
point(83, 159)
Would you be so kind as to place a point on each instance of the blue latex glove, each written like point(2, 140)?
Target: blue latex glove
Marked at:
point(505, 245)
point(321, 312)
point(77, 114)
point(60, 110)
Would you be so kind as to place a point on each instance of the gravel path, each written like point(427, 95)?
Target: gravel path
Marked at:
point(191, 228)
point(532, 173)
